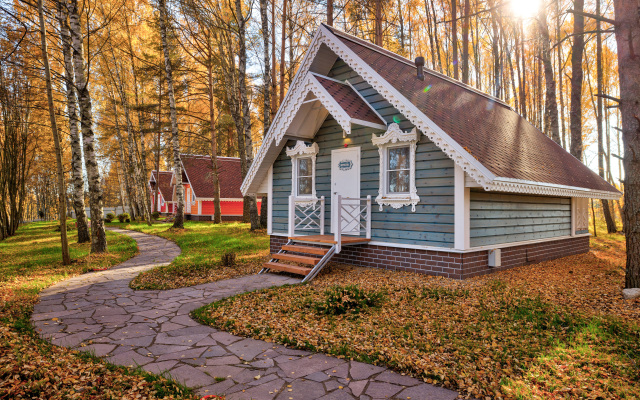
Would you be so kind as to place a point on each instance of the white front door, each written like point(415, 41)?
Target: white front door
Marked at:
point(345, 181)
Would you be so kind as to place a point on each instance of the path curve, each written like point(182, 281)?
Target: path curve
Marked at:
point(98, 312)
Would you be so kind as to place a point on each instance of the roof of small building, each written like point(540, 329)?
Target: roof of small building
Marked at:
point(491, 131)
point(199, 170)
point(352, 103)
point(496, 147)
point(164, 183)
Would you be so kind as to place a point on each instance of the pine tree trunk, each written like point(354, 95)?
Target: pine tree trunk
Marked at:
point(98, 235)
point(175, 140)
point(158, 137)
point(266, 78)
point(378, 22)
point(454, 36)
point(215, 180)
point(551, 126)
point(575, 125)
point(628, 40)
point(465, 42)
point(329, 12)
point(74, 129)
point(246, 116)
point(62, 201)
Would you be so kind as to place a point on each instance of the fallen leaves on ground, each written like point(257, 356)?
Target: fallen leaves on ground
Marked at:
point(554, 330)
point(31, 368)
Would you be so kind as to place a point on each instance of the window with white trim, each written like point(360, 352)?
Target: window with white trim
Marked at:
point(303, 174)
point(397, 151)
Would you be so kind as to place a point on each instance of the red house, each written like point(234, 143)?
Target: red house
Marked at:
point(198, 188)
point(165, 191)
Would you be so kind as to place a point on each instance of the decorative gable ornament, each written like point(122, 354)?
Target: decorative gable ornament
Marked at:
point(392, 137)
point(301, 149)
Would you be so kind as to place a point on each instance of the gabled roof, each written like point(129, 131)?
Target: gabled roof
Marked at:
point(494, 145)
point(350, 101)
point(164, 184)
point(198, 170)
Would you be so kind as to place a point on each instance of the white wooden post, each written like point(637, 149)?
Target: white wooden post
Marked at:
point(369, 217)
point(574, 205)
point(337, 233)
point(462, 214)
point(321, 215)
point(292, 216)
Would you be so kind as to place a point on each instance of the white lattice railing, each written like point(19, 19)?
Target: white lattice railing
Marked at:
point(306, 215)
point(353, 217)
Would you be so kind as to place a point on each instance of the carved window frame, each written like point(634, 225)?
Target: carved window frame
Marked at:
point(298, 152)
point(396, 137)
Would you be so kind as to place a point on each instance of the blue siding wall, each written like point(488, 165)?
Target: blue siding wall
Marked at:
point(430, 225)
point(505, 218)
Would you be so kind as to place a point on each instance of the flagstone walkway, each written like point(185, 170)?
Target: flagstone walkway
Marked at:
point(98, 312)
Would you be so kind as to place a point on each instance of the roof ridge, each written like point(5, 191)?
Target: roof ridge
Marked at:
point(208, 156)
point(398, 57)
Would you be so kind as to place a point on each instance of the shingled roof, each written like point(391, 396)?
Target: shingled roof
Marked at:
point(495, 146)
point(498, 137)
point(198, 169)
point(352, 103)
point(164, 184)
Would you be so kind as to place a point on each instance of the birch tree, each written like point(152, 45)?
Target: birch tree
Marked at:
point(577, 49)
point(163, 20)
point(98, 235)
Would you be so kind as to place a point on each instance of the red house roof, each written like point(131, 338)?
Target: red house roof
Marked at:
point(199, 170)
point(498, 137)
point(164, 183)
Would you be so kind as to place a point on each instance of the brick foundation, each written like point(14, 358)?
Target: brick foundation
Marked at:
point(448, 264)
point(225, 218)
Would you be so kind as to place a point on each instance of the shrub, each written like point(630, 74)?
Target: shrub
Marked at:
point(124, 217)
point(109, 217)
point(155, 215)
point(348, 299)
point(229, 259)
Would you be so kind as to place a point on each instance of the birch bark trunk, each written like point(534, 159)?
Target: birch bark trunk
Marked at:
point(215, 179)
point(74, 132)
point(62, 201)
point(96, 195)
point(266, 78)
point(178, 222)
point(627, 30)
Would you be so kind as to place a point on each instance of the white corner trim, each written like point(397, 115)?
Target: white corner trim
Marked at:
point(270, 201)
point(462, 213)
point(392, 137)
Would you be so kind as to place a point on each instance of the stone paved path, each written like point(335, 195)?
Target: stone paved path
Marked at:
point(98, 312)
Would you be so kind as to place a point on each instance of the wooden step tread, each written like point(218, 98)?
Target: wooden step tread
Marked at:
point(305, 249)
point(294, 258)
point(294, 269)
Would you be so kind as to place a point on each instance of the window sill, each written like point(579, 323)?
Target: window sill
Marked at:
point(398, 201)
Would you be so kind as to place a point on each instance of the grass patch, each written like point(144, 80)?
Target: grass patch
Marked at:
point(557, 329)
point(33, 368)
point(203, 244)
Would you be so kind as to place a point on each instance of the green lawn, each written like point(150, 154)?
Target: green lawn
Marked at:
point(32, 368)
point(202, 244)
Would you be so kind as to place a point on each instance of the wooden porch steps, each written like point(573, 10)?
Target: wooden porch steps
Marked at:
point(296, 258)
point(306, 249)
point(293, 269)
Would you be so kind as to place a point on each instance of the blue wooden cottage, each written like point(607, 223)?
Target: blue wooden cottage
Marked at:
point(374, 161)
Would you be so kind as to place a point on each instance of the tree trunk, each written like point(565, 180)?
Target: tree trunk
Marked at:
point(178, 222)
point(158, 137)
point(628, 40)
point(244, 102)
point(74, 130)
point(611, 224)
point(283, 43)
point(378, 22)
point(550, 104)
point(465, 42)
point(267, 81)
point(329, 12)
point(565, 140)
point(98, 235)
point(575, 125)
point(62, 201)
point(454, 37)
point(274, 84)
point(215, 180)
